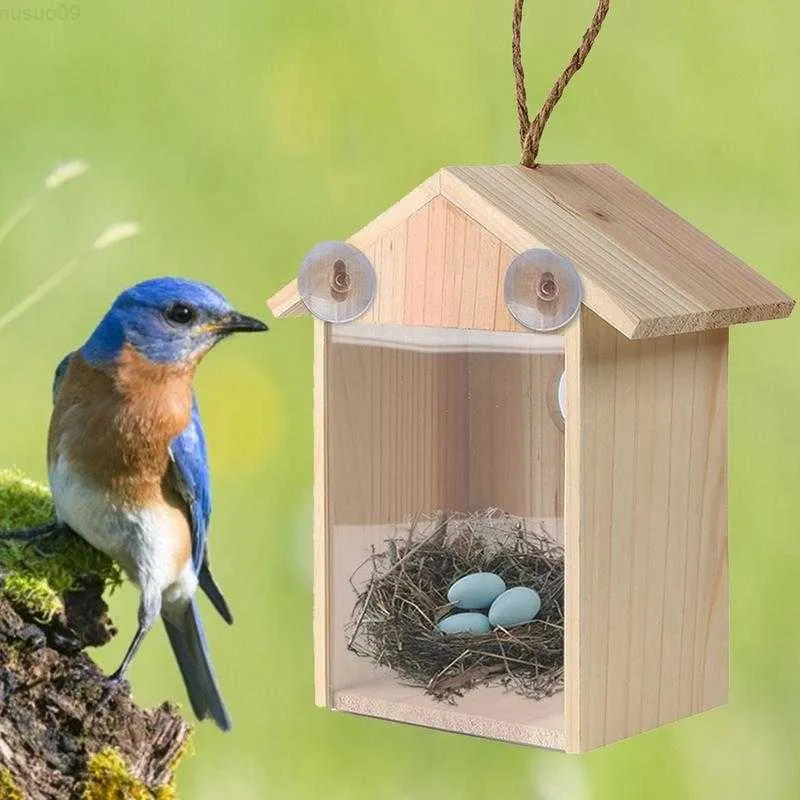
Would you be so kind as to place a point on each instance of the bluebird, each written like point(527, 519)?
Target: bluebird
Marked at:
point(128, 465)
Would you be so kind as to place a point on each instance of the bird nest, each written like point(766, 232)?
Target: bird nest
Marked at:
point(402, 594)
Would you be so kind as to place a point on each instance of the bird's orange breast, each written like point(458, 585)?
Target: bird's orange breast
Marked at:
point(115, 424)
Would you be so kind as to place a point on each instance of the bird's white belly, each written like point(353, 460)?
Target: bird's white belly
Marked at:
point(143, 540)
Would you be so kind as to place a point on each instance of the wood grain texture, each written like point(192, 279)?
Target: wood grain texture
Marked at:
point(516, 443)
point(645, 530)
point(322, 577)
point(646, 271)
point(398, 433)
point(286, 302)
point(490, 713)
point(415, 431)
point(439, 268)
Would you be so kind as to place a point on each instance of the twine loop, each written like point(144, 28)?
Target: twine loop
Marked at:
point(530, 133)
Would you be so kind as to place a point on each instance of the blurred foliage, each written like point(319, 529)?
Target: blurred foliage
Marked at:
point(241, 133)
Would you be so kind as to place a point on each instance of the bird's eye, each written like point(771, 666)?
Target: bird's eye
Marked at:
point(180, 314)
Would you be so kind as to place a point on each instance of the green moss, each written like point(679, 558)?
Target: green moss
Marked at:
point(35, 594)
point(23, 502)
point(8, 789)
point(36, 576)
point(108, 778)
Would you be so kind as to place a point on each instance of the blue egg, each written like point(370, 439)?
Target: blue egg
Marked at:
point(477, 590)
point(469, 623)
point(515, 607)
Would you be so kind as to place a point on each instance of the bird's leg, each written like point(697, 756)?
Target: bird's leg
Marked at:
point(33, 534)
point(119, 674)
point(149, 609)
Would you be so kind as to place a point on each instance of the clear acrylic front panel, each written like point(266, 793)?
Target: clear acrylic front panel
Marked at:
point(445, 453)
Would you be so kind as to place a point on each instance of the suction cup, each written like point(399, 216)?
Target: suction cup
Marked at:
point(543, 290)
point(337, 282)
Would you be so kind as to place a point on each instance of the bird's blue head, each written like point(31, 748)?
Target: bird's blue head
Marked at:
point(166, 320)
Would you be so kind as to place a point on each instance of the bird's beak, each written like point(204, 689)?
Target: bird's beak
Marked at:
point(239, 323)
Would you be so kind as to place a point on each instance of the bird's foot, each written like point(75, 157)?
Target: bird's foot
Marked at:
point(111, 687)
point(34, 534)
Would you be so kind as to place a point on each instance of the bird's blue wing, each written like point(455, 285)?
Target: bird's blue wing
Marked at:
point(190, 461)
point(61, 370)
point(190, 456)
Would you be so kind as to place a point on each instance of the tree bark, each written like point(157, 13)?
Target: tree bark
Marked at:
point(53, 720)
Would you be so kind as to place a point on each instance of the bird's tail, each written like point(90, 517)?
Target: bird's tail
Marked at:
point(189, 644)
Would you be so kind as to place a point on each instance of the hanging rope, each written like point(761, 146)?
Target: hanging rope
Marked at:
point(530, 133)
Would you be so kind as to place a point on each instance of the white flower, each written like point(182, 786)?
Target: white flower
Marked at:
point(117, 232)
point(65, 172)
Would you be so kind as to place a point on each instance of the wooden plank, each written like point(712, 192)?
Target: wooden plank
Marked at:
point(645, 643)
point(491, 713)
point(391, 292)
point(489, 281)
point(373, 252)
point(286, 302)
point(516, 446)
point(457, 224)
point(435, 264)
point(708, 633)
point(416, 268)
point(645, 270)
point(652, 477)
point(503, 321)
point(398, 435)
point(574, 643)
point(470, 269)
point(645, 531)
point(322, 563)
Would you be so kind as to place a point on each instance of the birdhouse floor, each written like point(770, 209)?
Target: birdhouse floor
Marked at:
point(492, 711)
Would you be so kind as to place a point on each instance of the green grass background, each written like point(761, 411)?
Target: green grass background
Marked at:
point(240, 133)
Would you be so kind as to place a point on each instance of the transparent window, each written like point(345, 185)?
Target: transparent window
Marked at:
point(454, 430)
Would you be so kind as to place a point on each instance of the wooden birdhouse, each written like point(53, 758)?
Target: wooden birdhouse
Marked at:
point(552, 343)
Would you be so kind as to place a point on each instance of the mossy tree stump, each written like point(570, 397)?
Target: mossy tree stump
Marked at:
point(57, 739)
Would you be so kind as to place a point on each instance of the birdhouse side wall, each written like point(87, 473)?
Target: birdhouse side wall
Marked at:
point(645, 530)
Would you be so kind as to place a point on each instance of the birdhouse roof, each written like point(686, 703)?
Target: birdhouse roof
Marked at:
point(645, 270)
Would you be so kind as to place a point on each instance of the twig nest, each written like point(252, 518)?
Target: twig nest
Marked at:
point(515, 606)
point(470, 623)
point(476, 591)
point(402, 592)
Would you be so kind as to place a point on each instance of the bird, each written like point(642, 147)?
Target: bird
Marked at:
point(128, 463)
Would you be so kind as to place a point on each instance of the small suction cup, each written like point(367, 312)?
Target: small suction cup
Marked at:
point(336, 282)
point(543, 290)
